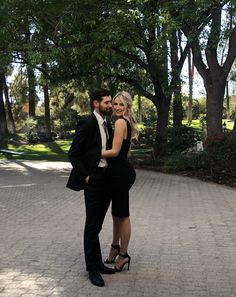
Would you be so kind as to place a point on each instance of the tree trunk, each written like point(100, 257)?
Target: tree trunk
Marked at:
point(213, 74)
point(227, 101)
point(47, 110)
point(139, 109)
point(8, 104)
point(177, 106)
point(32, 93)
point(163, 107)
point(214, 109)
point(177, 102)
point(191, 75)
point(3, 118)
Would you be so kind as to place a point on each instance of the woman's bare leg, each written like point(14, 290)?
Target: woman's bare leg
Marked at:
point(125, 234)
point(115, 246)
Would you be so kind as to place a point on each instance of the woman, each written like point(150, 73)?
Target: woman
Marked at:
point(121, 178)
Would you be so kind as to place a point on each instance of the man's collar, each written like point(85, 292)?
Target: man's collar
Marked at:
point(100, 119)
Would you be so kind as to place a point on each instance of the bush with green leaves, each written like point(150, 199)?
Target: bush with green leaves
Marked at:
point(147, 134)
point(199, 107)
point(67, 122)
point(181, 138)
point(202, 119)
point(185, 162)
point(222, 155)
point(32, 133)
point(218, 160)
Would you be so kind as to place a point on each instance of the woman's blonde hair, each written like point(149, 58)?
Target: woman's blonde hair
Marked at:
point(129, 112)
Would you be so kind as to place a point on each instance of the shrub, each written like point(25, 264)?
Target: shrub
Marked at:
point(202, 119)
point(222, 155)
point(199, 107)
point(66, 123)
point(181, 138)
point(32, 134)
point(217, 161)
point(185, 162)
point(147, 135)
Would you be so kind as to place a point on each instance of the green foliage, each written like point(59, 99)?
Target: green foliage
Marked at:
point(181, 138)
point(147, 134)
point(217, 161)
point(145, 112)
point(224, 147)
point(53, 151)
point(67, 122)
point(199, 108)
point(184, 162)
point(19, 96)
point(202, 120)
point(102, 41)
point(32, 133)
point(146, 115)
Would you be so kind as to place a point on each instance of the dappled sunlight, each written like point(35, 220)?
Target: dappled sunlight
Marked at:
point(17, 282)
point(24, 166)
point(53, 151)
point(56, 148)
point(47, 165)
point(13, 166)
point(17, 186)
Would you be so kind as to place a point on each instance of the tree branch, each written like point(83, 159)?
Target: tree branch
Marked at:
point(231, 54)
point(135, 84)
point(198, 61)
point(183, 57)
point(213, 40)
point(130, 56)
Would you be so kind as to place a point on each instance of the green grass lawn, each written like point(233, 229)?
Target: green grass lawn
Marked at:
point(196, 124)
point(57, 151)
point(51, 151)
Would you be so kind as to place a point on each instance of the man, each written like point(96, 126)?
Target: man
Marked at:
point(92, 136)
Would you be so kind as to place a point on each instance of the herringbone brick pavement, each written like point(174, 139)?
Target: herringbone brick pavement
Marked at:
point(183, 236)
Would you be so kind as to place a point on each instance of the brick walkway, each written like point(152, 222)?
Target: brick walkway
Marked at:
point(183, 241)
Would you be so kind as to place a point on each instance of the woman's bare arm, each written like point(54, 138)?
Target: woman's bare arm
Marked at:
point(120, 129)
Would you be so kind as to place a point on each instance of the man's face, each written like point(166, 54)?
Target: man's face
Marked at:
point(104, 107)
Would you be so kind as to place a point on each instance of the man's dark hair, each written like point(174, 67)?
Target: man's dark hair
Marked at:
point(98, 94)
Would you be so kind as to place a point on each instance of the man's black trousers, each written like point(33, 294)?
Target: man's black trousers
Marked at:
point(97, 201)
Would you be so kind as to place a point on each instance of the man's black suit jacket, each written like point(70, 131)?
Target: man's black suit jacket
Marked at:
point(85, 151)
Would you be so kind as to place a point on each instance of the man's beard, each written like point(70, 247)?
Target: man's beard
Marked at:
point(105, 112)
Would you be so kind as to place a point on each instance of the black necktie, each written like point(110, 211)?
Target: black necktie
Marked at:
point(105, 129)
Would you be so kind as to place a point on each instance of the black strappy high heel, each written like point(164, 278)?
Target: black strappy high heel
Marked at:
point(114, 247)
point(123, 256)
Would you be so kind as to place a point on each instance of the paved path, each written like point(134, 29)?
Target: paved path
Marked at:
point(183, 242)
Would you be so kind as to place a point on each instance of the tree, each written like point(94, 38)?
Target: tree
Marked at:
point(207, 20)
point(232, 78)
point(18, 92)
point(191, 76)
point(8, 106)
point(3, 119)
point(126, 42)
point(139, 43)
point(176, 71)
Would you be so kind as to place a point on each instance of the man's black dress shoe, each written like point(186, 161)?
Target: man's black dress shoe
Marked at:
point(105, 270)
point(96, 278)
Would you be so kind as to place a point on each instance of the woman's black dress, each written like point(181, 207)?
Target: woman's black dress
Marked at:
point(121, 176)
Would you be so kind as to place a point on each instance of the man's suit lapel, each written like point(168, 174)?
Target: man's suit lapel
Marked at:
point(97, 130)
point(110, 132)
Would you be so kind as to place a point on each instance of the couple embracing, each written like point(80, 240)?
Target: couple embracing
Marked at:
point(100, 167)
